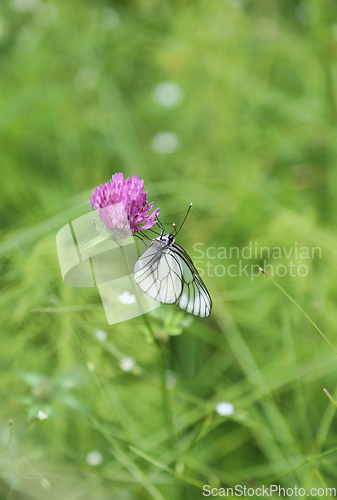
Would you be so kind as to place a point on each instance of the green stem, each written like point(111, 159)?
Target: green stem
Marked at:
point(161, 351)
point(332, 399)
point(300, 308)
point(165, 393)
point(137, 246)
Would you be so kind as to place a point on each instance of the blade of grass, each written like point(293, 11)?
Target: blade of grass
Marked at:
point(325, 425)
point(299, 307)
point(296, 382)
point(302, 464)
point(183, 477)
point(123, 458)
point(272, 417)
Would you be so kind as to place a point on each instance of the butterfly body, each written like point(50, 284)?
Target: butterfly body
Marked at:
point(166, 273)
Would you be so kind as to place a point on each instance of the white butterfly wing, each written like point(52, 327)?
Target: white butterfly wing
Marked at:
point(158, 274)
point(194, 298)
point(167, 273)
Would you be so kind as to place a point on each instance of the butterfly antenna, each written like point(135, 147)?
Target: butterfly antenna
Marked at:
point(141, 235)
point(160, 224)
point(188, 211)
point(174, 228)
point(153, 231)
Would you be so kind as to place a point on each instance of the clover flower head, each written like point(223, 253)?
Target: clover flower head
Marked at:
point(122, 206)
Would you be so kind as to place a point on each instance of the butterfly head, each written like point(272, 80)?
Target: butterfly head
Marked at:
point(167, 237)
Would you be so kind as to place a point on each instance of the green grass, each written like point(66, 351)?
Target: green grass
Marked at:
point(257, 157)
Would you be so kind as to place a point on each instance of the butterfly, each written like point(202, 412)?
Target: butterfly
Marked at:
point(165, 272)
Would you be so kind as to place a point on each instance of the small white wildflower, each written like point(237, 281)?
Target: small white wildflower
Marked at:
point(167, 94)
point(224, 408)
point(42, 415)
point(165, 143)
point(127, 298)
point(127, 364)
point(100, 335)
point(94, 458)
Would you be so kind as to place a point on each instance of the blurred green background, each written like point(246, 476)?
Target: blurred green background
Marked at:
point(230, 104)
